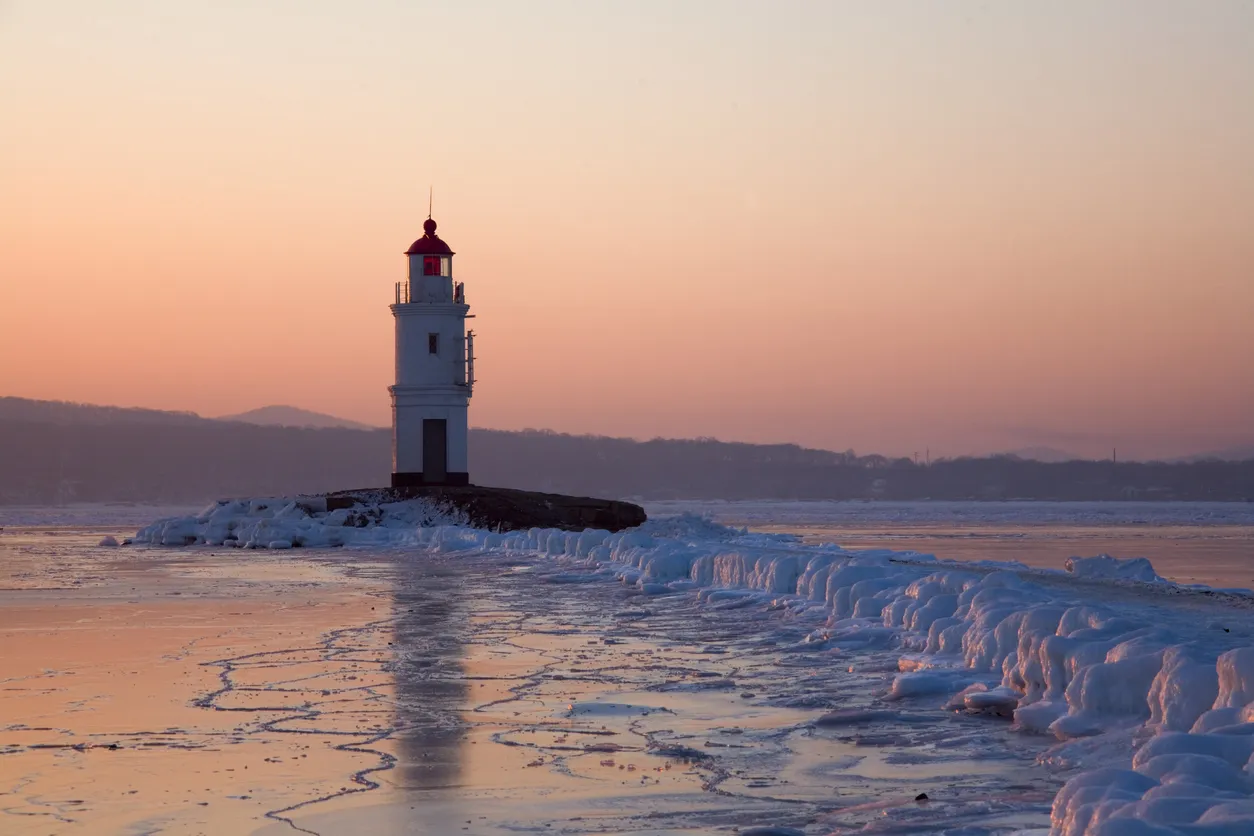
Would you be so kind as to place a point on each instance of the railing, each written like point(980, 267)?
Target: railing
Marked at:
point(404, 297)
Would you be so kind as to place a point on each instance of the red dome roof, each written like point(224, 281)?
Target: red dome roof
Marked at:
point(429, 243)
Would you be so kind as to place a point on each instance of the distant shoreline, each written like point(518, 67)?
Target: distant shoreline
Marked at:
point(55, 454)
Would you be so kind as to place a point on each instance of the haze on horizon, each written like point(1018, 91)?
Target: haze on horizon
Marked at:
point(893, 226)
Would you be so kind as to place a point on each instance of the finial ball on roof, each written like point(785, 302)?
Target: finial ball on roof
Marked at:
point(428, 244)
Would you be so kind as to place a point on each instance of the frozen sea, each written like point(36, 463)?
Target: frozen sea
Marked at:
point(768, 668)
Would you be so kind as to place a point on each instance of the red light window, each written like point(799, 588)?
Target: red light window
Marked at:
point(431, 265)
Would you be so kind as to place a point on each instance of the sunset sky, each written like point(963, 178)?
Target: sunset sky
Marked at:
point(886, 226)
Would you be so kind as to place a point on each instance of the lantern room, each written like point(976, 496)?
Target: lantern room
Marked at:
point(429, 255)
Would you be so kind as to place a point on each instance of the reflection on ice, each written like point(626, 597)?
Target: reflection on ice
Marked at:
point(430, 623)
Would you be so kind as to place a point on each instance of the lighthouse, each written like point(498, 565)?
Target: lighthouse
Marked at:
point(435, 369)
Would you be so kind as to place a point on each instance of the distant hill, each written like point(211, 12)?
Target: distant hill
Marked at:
point(1231, 454)
point(292, 416)
point(55, 452)
point(66, 413)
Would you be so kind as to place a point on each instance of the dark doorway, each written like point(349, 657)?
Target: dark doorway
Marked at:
point(434, 450)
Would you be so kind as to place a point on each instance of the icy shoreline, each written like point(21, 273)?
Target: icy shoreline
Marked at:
point(1164, 694)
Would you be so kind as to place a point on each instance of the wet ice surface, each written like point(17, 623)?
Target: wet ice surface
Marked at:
point(614, 713)
point(111, 715)
point(683, 679)
point(117, 516)
point(394, 692)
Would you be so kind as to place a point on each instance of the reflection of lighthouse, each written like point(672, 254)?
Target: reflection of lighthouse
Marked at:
point(431, 617)
point(435, 369)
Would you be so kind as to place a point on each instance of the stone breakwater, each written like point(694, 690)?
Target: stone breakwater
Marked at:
point(504, 509)
point(384, 516)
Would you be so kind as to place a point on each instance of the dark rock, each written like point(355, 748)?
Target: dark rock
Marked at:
point(502, 509)
point(921, 797)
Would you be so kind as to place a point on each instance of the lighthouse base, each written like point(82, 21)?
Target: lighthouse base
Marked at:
point(502, 509)
point(420, 480)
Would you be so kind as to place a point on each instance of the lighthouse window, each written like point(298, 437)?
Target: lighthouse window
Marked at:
point(433, 343)
point(435, 265)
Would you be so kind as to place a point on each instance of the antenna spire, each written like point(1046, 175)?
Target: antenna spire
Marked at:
point(430, 198)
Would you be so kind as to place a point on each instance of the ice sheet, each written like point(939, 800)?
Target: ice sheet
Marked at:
point(1148, 685)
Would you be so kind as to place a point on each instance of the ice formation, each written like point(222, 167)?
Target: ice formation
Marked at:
point(285, 523)
point(1106, 651)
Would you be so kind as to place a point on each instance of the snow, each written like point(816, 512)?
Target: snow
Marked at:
point(285, 523)
point(1148, 686)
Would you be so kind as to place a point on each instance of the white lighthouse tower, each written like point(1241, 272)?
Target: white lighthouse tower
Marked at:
point(435, 369)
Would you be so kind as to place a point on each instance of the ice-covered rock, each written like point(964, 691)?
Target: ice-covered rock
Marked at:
point(1105, 567)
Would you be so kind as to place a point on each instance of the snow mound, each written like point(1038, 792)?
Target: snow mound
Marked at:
point(1072, 660)
point(285, 523)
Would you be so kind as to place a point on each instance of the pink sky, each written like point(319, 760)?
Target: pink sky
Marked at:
point(892, 226)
